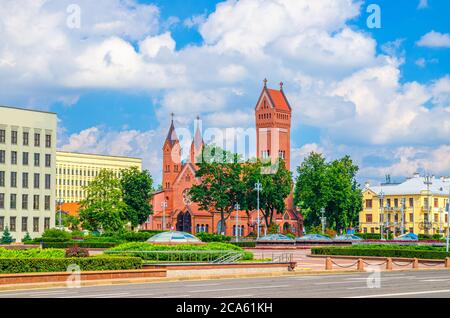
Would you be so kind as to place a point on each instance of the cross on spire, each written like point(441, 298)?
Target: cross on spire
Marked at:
point(172, 115)
point(265, 82)
point(281, 86)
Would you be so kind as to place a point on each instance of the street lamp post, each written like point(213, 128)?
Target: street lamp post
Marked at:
point(164, 206)
point(381, 196)
point(402, 230)
point(428, 182)
point(60, 201)
point(258, 187)
point(237, 207)
point(448, 219)
point(323, 219)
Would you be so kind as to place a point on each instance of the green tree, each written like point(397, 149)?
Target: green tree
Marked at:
point(103, 208)
point(345, 196)
point(331, 186)
point(276, 187)
point(27, 237)
point(137, 188)
point(220, 186)
point(6, 237)
point(310, 190)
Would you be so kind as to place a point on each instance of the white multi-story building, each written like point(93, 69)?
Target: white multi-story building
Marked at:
point(27, 171)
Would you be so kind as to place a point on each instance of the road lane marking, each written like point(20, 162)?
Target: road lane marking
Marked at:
point(235, 296)
point(95, 295)
point(201, 285)
point(173, 296)
point(27, 294)
point(237, 288)
point(436, 280)
point(404, 294)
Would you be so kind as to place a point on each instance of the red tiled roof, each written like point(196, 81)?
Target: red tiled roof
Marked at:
point(278, 99)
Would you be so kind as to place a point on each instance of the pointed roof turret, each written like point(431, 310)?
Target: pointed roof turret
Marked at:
point(172, 137)
point(198, 139)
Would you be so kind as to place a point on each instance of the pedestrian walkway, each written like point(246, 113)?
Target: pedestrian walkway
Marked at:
point(339, 263)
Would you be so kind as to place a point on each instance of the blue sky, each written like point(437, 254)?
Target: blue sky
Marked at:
point(380, 95)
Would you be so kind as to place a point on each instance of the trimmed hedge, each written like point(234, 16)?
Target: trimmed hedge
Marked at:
point(406, 253)
point(21, 265)
point(245, 244)
point(31, 253)
point(211, 237)
point(180, 252)
point(79, 244)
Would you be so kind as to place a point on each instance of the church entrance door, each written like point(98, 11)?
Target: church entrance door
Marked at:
point(184, 222)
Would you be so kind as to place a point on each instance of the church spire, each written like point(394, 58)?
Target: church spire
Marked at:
point(172, 135)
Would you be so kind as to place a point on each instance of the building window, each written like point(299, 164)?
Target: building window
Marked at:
point(368, 203)
point(13, 157)
point(365, 230)
point(396, 203)
point(2, 178)
point(14, 137)
point(436, 202)
point(2, 200)
point(388, 203)
point(36, 181)
point(368, 218)
point(47, 202)
point(13, 179)
point(2, 156)
point(25, 158)
point(2, 136)
point(25, 180)
point(436, 218)
point(25, 201)
point(13, 201)
point(36, 202)
point(411, 217)
point(24, 224)
point(37, 140)
point(2, 223)
point(48, 141)
point(46, 223)
point(48, 160)
point(35, 224)
point(25, 138)
point(47, 181)
point(411, 202)
point(12, 223)
point(36, 160)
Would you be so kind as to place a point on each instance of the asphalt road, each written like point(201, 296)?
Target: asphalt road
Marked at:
point(392, 284)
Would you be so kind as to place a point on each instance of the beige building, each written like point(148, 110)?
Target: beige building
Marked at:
point(27, 171)
point(417, 204)
point(76, 170)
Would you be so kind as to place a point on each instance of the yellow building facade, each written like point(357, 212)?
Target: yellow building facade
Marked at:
point(76, 170)
point(418, 205)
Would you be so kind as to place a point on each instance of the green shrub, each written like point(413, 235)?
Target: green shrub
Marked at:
point(382, 252)
point(83, 244)
point(211, 237)
point(31, 253)
point(369, 236)
point(20, 265)
point(56, 234)
point(430, 237)
point(178, 251)
point(244, 244)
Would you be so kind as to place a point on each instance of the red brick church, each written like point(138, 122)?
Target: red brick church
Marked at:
point(173, 204)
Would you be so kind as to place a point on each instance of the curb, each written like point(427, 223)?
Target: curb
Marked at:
point(303, 272)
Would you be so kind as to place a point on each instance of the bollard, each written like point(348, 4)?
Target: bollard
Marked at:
point(328, 264)
point(415, 263)
point(389, 264)
point(360, 264)
point(447, 262)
